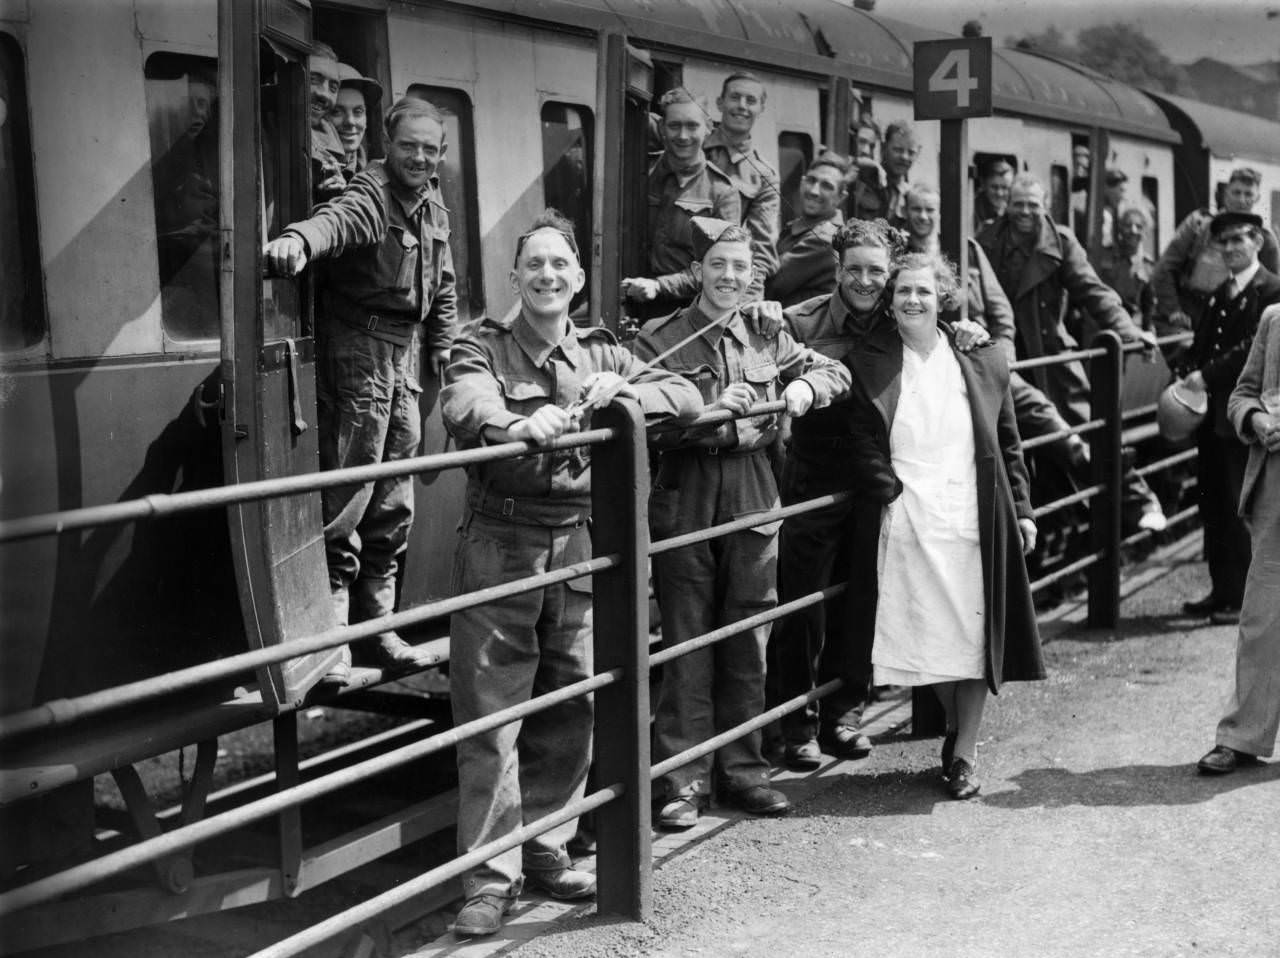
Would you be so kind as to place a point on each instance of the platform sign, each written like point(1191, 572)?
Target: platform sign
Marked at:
point(952, 78)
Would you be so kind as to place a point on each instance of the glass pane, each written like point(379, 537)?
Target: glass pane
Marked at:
point(566, 180)
point(1151, 202)
point(457, 185)
point(182, 116)
point(21, 310)
point(284, 197)
point(795, 152)
point(1060, 195)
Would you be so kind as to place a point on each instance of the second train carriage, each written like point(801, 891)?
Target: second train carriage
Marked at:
point(136, 330)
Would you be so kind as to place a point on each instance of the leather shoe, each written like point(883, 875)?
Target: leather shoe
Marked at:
point(845, 741)
point(1202, 606)
point(564, 884)
point(960, 780)
point(680, 812)
point(758, 800)
point(389, 652)
point(1226, 615)
point(1222, 760)
point(482, 915)
point(803, 756)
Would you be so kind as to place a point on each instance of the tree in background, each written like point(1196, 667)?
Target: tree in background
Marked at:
point(1118, 50)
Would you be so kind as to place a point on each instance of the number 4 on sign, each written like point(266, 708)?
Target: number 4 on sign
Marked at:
point(953, 76)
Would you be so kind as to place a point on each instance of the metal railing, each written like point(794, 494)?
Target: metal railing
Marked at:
point(621, 553)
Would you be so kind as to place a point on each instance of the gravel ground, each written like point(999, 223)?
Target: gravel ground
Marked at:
point(1093, 835)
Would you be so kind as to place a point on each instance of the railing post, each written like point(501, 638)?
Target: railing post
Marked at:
point(1105, 375)
point(620, 525)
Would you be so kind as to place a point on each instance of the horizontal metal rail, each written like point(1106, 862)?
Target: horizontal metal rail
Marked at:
point(1078, 566)
point(1167, 463)
point(747, 522)
point(1093, 425)
point(61, 712)
point(747, 624)
point(186, 836)
point(1084, 495)
point(1057, 359)
point(1143, 534)
point(344, 921)
point(161, 505)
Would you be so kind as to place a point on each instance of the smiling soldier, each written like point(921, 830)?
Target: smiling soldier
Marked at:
point(389, 288)
point(524, 381)
point(711, 475)
point(807, 264)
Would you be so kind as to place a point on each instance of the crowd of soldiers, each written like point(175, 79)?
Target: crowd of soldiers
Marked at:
point(722, 254)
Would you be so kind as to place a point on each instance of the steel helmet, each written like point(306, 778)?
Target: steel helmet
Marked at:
point(1180, 410)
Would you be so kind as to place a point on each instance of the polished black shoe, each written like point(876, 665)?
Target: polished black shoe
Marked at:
point(389, 652)
point(802, 756)
point(948, 752)
point(1222, 760)
point(758, 800)
point(960, 780)
point(844, 741)
point(1225, 615)
point(1202, 606)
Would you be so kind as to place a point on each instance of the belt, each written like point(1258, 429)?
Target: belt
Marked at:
point(360, 317)
point(726, 452)
point(529, 512)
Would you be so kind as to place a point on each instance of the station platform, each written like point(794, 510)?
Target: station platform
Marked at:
point(1093, 835)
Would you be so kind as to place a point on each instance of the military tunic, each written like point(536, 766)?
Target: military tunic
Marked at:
point(524, 516)
point(717, 474)
point(757, 183)
point(674, 199)
point(807, 264)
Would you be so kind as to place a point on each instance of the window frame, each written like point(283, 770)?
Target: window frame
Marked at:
point(791, 199)
point(26, 207)
point(586, 241)
point(462, 157)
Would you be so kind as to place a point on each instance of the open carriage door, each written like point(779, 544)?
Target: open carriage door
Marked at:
point(268, 355)
point(626, 86)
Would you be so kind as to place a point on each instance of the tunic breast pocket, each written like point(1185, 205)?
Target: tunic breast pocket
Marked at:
point(524, 396)
point(398, 259)
point(439, 239)
point(764, 377)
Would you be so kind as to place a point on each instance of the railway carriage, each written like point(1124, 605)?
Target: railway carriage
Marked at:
point(148, 148)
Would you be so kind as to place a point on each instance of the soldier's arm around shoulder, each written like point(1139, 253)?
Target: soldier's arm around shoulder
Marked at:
point(663, 395)
point(354, 218)
point(829, 380)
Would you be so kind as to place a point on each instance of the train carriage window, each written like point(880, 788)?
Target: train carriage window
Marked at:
point(285, 194)
point(182, 116)
point(457, 183)
point(1151, 202)
point(1060, 195)
point(566, 179)
point(22, 322)
point(795, 152)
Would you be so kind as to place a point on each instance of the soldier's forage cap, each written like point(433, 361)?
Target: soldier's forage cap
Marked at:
point(349, 76)
point(1227, 219)
point(707, 231)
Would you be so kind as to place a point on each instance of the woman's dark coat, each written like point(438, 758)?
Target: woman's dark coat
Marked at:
point(1013, 642)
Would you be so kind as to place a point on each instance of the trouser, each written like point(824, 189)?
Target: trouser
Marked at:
point(368, 408)
point(703, 587)
point(809, 646)
point(1220, 465)
point(1253, 711)
point(501, 654)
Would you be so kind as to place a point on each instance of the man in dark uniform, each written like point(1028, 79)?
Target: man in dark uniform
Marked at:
point(683, 184)
point(709, 476)
point(880, 192)
point(807, 265)
point(994, 180)
point(389, 290)
point(527, 380)
point(1216, 358)
point(741, 101)
point(1191, 266)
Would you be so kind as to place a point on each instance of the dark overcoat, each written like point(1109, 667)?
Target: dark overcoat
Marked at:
point(1013, 640)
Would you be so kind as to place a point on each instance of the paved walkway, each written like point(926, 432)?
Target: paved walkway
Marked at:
point(1093, 835)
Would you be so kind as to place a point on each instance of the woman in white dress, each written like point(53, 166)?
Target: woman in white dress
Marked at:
point(940, 449)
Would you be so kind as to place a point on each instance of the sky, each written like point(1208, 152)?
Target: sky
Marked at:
point(1234, 31)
